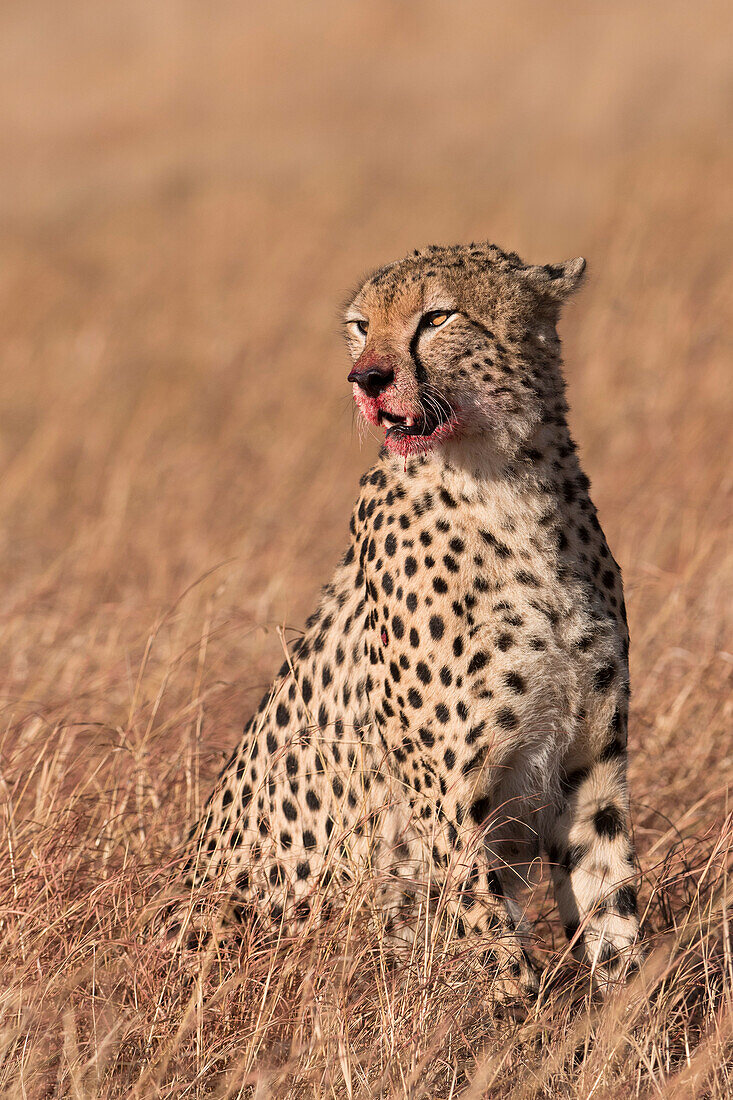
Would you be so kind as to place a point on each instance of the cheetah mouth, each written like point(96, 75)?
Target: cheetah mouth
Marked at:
point(423, 426)
point(408, 434)
point(395, 423)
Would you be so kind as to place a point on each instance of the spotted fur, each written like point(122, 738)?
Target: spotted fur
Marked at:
point(457, 704)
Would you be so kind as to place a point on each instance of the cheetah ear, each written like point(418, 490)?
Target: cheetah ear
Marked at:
point(557, 282)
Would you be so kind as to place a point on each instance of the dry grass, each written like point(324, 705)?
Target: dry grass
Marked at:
point(185, 198)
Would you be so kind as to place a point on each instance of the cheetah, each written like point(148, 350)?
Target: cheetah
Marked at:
point(457, 705)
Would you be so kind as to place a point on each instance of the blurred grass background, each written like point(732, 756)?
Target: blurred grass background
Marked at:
point(187, 192)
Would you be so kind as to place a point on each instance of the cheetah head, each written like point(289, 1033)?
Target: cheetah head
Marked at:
point(453, 343)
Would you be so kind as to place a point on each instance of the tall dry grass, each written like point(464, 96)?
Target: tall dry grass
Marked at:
point(187, 192)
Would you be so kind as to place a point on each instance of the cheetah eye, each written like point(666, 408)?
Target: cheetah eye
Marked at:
point(436, 317)
point(359, 327)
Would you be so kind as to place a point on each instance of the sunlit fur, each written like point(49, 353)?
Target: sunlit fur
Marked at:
point(458, 703)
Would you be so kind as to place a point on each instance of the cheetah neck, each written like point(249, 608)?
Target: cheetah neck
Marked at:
point(474, 469)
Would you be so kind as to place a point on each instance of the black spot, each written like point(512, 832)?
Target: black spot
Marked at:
point(289, 810)
point(390, 545)
point(506, 718)
point(499, 548)
point(446, 678)
point(442, 713)
point(475, 732)
point(439, 585)
point(495, 886)
point(480, 810)
point(609, 957)
point(414, 698)
point(476, 761)
point(424, 674)
point(309, 840)
point(227, 797)
point(398, 627)
point(410, 566)
point(624, 901)
point(437, 627)
point(457, 646)
point(414, 638)
point(477, 662)
point(291, 764)
point(426, 737)
point(411, 601)
point(312, 800)
point(271, 742)
point(608, 821)
point(603, 677)
point(514, 681)
point(505, 642)
point(449, 758)
point(447, 499)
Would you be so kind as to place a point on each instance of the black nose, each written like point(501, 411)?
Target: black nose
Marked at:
point(372, 380)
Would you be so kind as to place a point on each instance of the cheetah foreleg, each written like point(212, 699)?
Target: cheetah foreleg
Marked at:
point(592, 860)
point(490, 916)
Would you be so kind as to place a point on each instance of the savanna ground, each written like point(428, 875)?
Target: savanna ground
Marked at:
point(187, 193)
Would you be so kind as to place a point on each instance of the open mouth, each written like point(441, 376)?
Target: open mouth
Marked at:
point(422, 426)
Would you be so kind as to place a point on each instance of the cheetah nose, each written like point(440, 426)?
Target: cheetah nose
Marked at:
point(373, 379)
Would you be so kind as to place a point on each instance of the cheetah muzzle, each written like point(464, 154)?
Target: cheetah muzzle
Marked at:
point(457, 704)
